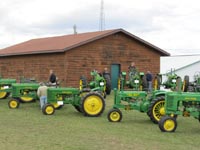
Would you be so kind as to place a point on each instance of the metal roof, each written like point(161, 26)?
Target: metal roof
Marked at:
point(63, 43)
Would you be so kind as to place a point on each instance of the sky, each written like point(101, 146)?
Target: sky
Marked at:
point(172, 25)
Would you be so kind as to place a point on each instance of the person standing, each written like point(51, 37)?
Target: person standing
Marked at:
point(42, 94)
point(149, 78)
point(52, 77)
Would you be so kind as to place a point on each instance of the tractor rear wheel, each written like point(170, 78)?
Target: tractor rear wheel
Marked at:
point(167, 124)
point(114, 115)
point(185, 84)
point(92, 104)
point(13, 103)
point(48, 109)
point(156, 109)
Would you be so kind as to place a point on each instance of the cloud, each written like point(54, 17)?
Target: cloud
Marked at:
point(171, 25)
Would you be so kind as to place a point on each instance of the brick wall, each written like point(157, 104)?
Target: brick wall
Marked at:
point(69, 66)
point(118, 48)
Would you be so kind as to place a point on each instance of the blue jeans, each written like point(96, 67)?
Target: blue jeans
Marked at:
point(149, 84)
point(43, 101)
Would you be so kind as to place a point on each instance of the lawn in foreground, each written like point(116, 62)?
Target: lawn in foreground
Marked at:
point(27, 128)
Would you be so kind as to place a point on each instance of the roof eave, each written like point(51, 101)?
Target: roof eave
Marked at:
point(30, 53)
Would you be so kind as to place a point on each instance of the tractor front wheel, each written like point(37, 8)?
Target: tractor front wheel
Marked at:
point(156, 109)
point(167, 124)
point(48, 109)
point(92, 104)
point(114, 115)
point(13, 103)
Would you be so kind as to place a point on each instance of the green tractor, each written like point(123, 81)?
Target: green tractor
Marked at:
point(23, 92)
point(90, 104)
point(150, 103)
point(6, 87)
point(179, 103)
point(136, 80)
point(98, 83)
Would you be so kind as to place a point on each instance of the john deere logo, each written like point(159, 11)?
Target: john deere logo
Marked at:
point(191, 98)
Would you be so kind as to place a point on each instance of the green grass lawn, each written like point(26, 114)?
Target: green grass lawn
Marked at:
point(26, 128)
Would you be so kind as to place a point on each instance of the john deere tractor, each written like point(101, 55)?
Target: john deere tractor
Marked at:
point(136, 81)
point(130, 99)
point(23, 92)
point(179, 103)
point(98, 83)
point(5, 87)
point(90, 104)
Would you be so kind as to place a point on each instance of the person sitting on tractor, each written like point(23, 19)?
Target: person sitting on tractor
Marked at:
point(132, 69)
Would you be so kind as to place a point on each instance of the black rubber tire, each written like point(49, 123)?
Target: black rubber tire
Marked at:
point(13, 103)
point(144, 83)
point(163, 121)
point(117, 113)
point(151, 109)
point(186, 83)
point(158, 79)
point(84, 102)
point(45, 111)
point(108, 84)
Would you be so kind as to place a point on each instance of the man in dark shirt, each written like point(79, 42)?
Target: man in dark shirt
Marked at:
point(52, 77)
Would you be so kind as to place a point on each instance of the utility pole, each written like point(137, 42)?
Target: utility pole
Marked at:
point(102, 17)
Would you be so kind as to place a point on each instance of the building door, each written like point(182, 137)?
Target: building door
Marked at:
point(115, 71)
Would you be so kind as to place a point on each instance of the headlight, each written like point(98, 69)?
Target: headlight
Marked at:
point(136, 81)
point(101, 83)
point(174, 80)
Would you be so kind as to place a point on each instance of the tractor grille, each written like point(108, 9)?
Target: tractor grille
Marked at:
point(169, 101)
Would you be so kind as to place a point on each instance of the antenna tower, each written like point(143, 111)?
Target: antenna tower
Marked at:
point(102, 17)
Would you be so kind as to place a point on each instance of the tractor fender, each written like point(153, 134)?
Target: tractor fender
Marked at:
point(158, 93)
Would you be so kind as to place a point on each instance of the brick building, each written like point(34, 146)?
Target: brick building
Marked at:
point(71, 56)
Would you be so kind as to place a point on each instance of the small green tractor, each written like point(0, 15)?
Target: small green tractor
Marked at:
point(90, 103)
point(98, 83)
point(137, 81)
point(152, 104)
point(129, 99)
point(179, 103)
point(6, 87)
point(170, 82)
point(23, 92)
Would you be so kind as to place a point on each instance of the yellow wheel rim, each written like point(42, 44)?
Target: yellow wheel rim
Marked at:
point(119, 82)
point(184, 83)
point(159, 110)
point(169, 125)
point(2, 94)
point(81, 85)
point(49, 110)
point(13, 104)
point(26, 99)
point(93, 105)
point(114, 116)
point(156, 84)
point(56, 105)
